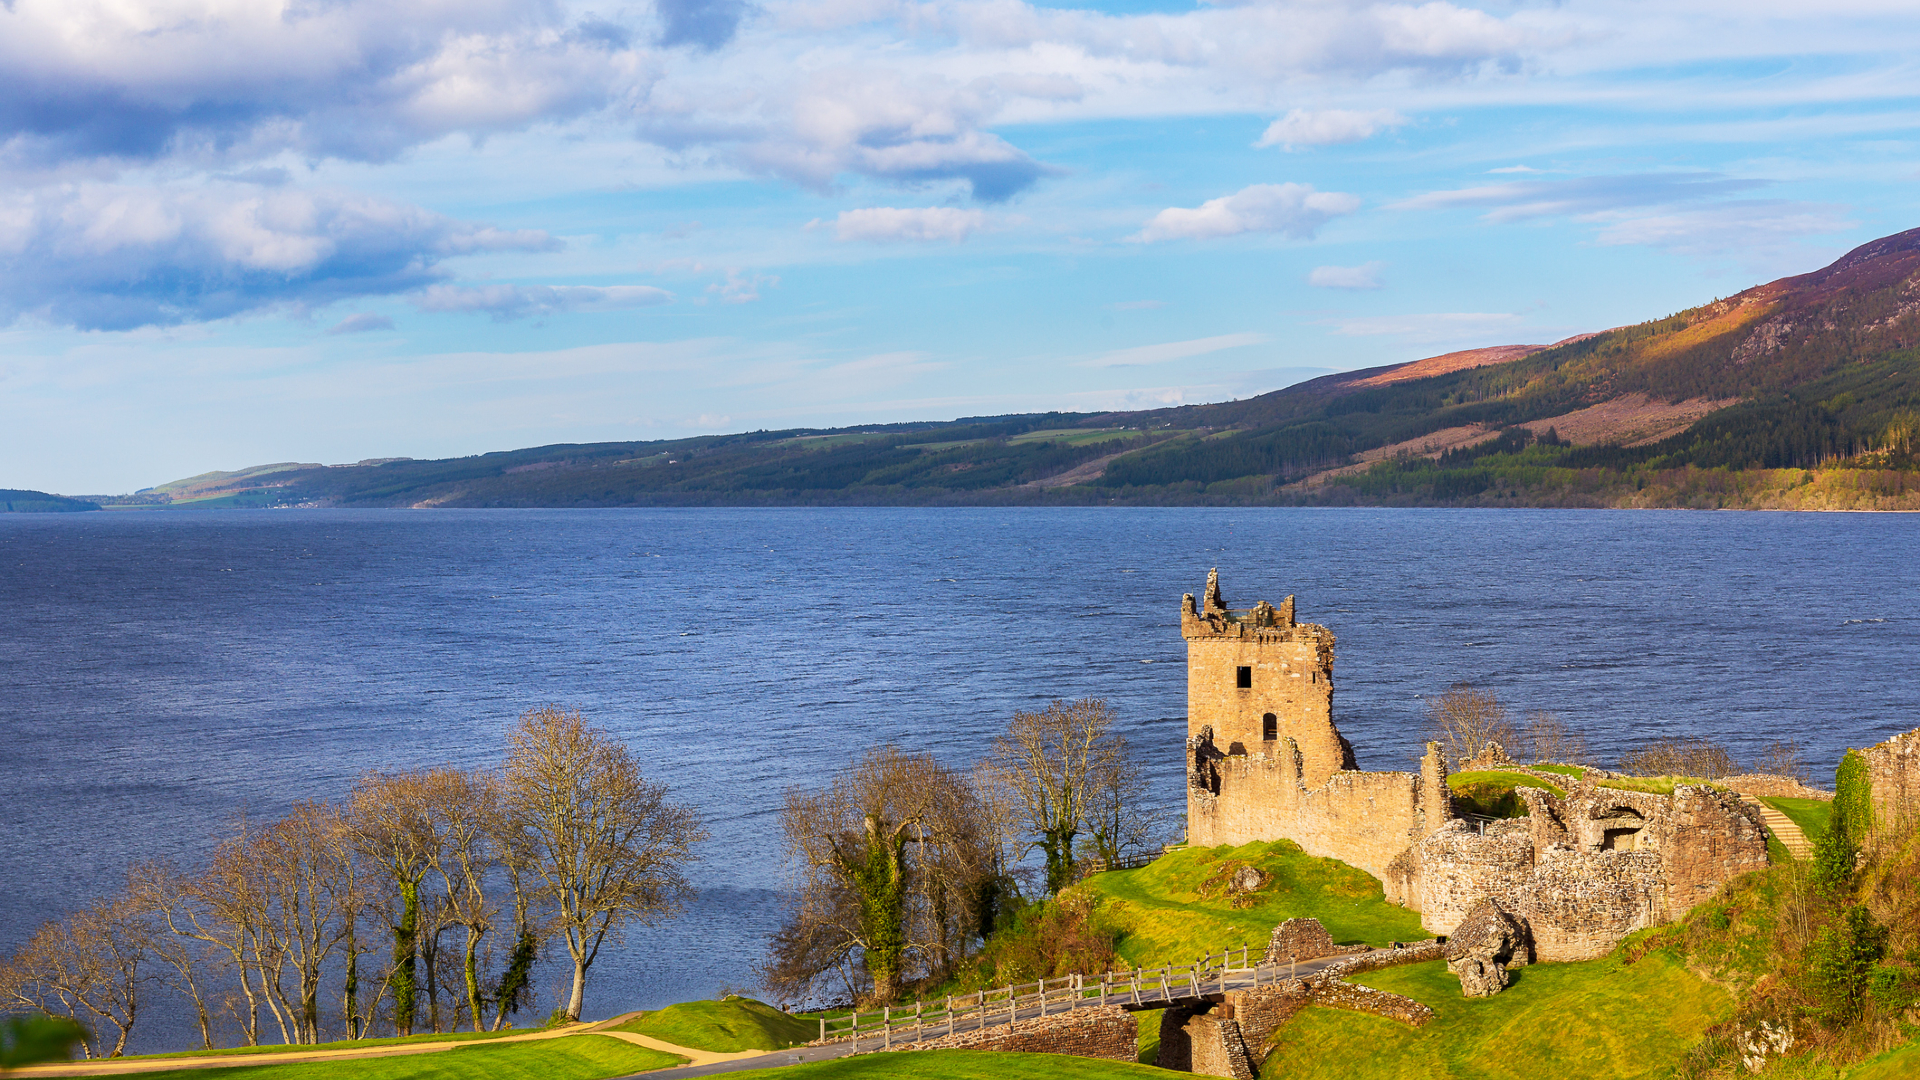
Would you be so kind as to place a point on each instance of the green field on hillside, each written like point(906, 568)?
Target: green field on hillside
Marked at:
point(573, 1057)
point(725, 1027)
point(1598, 1018)
point(1176, 908)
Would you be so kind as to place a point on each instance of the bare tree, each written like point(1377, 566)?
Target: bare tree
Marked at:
point(304, 865)
point(467, 806)
point(1119, 819)
point(163, 894)
point(90, 967)
point(1783, 757)
point(889, 857)
point(1550, 739)
point(610, 848)
point(391, 816)
point(1056, 761)
point(1467, 720)
point(1690, 756)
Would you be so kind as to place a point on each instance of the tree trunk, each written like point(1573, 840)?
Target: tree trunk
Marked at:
point(406, 958)
point(473, 977)
point(579, 988)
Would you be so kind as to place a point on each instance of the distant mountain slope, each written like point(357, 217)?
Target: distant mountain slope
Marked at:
point(16, 501)
point(1803, 392)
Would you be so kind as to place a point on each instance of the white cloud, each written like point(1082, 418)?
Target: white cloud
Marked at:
point(742, 288)
point(1364, 276)
point(115, 257)
point(1326, 127)
point(1141, 355)
point(505, 302)
point(882, 224)
point(1294, 210)
point(361, 79)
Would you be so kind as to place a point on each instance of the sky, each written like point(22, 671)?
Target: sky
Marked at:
point(235, 232)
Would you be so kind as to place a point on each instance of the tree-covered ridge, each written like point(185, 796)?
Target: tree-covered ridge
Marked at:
point(16, 501)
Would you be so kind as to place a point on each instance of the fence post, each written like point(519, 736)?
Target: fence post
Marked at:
point(886, 1027)
point(823, 1029)
point(949, 1014)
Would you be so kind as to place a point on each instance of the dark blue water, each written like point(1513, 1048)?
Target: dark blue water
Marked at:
point(160, 673)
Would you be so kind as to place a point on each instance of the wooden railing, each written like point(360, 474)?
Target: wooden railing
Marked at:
point(1210, 974)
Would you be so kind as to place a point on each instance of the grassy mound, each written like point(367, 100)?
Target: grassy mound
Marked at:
point(725, 1027)
point(1810, 814)
point(966, 1065)
point(1598, 1018)
point(574, 1057)
point(1491, 793)
point(1177, 908)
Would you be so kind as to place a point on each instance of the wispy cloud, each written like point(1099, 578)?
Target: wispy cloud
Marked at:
point(1327, 127)
point(360, 323)
point(1296, 211)
point(1141, 355)
point(505, 302)
point(1523, 199)
point(1364, 276)
point(887, 224)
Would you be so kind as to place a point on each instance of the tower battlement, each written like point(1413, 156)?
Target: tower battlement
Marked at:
point(1257, 678)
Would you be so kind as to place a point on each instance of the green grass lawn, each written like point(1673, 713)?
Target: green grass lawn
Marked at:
point(725, 1027)
point(1498, 778)
point(1810, 814)
point(965, 1065)
point(1598, 1018)
point(1899, 1063)
point(1174, 910)
point(344, 1044)
point(1574, 771)
point(575, 1057)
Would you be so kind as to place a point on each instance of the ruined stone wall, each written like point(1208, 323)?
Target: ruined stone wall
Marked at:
point(1587, 870)
point(1108, 1032)
point(1766, 786)
point(1363, 819)
point(1894, 766)
point(1711, 837)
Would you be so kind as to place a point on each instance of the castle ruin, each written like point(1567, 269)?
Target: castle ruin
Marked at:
point(1265, 762)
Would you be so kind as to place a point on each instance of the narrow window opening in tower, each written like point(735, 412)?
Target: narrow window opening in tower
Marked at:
point(1269, 727)
point(1244, 678)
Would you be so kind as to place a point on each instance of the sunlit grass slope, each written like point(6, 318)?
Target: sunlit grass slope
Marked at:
point(575, 1057)
point(1810, 814)
point(344, 1044)
point(1598, 1018)
point(726, 1027)
point(1177, 908)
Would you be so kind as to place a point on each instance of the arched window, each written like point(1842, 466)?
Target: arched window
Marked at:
point(1269, 727)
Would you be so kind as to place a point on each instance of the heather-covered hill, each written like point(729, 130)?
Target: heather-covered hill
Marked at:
point(1801, 393)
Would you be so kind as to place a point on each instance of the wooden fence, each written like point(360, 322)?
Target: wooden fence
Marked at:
point(1210, 974)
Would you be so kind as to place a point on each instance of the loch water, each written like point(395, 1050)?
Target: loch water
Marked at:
point(161, 673)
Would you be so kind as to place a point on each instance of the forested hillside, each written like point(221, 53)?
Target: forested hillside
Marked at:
point(1802, 393)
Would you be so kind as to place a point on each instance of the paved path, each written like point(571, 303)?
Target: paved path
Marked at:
point(127, 1066)
point(1782, 828)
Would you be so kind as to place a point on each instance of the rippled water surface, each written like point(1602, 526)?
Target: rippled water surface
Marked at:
point(160, 673)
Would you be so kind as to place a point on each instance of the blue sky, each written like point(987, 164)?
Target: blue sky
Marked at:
point(240, 231)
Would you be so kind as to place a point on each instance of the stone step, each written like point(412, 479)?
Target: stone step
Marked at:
point(1783, 829)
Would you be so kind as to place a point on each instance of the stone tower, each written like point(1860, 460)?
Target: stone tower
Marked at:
point(1256, 678)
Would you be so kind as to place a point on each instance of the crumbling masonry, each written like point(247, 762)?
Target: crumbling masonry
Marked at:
point(1266, 762)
